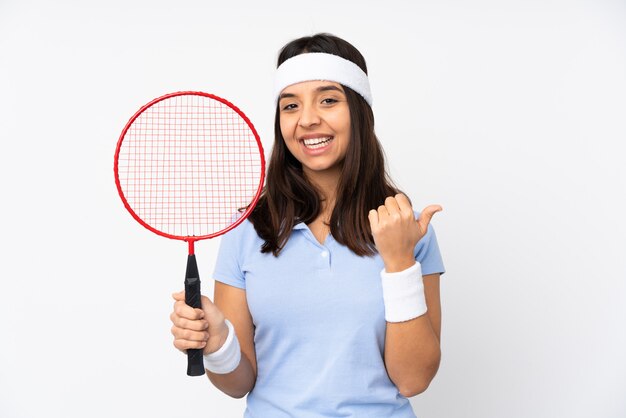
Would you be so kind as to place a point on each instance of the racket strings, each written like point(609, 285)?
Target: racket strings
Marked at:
point(188, 164)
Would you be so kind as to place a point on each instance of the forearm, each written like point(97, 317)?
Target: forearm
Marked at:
point(237, 383)
point(233, 304)
point(412, 347)
point(412, 354)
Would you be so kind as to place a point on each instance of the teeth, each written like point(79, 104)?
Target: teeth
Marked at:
point(317, 142)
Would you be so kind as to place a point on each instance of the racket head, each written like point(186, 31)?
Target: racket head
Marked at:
point(189, 166)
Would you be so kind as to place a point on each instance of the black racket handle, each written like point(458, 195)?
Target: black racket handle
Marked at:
point(195, 365)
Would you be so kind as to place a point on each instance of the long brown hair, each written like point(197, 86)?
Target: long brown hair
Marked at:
point(288, 198)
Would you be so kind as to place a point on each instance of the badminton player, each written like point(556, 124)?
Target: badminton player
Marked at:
point(326, 298)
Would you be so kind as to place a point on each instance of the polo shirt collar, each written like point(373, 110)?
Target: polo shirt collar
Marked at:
point(300, 225)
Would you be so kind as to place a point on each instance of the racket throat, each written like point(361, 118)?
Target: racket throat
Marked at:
point(191, 243)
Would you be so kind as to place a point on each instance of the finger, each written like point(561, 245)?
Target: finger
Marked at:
point(185, 311)
point(383, 216)
point(404, 203)
point(427, 214)
point(184, 345)
point(195, 325)
point(189, 335)
point(392, 205)
point(373, 218)
point(179, 295)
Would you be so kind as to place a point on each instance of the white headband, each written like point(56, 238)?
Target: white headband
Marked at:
point(321, 66)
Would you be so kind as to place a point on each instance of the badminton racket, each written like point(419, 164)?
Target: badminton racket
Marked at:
point(189, 166)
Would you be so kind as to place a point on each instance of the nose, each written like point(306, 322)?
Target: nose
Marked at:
point(308, 116)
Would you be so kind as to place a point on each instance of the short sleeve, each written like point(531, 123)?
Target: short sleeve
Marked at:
point(428, 254)
point(228, 264)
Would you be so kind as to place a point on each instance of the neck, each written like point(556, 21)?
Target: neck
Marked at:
point(326, 183)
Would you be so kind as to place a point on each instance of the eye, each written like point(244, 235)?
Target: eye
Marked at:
point(329, 100)
point(289, 106)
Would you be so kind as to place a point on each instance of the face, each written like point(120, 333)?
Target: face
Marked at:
point(315, 124)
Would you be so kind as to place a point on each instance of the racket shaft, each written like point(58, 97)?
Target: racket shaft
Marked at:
point(195, 365)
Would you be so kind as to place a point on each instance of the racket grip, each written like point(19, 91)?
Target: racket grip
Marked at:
point(195, 364)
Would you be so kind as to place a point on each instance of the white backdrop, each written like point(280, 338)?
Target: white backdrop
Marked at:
point(510, 114)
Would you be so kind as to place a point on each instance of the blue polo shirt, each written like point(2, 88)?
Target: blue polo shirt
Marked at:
point(319, 325)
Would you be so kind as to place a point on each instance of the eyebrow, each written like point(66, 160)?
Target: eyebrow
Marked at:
point(317, 90)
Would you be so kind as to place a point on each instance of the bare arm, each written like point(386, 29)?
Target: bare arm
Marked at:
point(412, 348)
point(233, 303)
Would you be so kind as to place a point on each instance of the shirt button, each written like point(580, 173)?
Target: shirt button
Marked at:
point(324, 254)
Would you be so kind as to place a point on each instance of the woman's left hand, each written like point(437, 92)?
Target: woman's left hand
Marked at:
point(396, 231)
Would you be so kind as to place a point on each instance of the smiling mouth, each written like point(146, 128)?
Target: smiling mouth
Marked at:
point(314, 143)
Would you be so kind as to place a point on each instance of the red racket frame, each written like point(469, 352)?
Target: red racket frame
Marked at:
point(189, 239)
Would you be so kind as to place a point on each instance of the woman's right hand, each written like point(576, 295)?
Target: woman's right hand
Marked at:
point(204, 328)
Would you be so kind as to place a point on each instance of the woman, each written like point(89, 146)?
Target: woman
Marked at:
point(327, 298)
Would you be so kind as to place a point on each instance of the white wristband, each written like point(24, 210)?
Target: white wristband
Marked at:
point(227, 358)
point(403, 294)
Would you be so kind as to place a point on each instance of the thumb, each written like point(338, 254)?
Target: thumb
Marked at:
point(179, 295)
point(426, 216)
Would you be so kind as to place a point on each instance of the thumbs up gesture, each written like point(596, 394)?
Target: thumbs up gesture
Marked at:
point(396, 231)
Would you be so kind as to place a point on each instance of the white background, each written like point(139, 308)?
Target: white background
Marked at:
point(510, 114)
